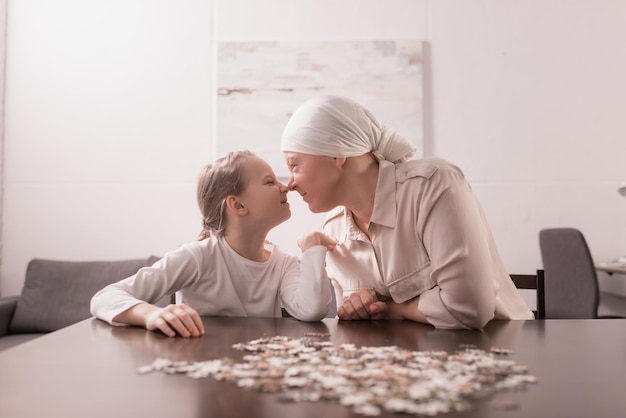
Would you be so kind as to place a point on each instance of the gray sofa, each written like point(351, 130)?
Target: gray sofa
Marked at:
point(57, 294)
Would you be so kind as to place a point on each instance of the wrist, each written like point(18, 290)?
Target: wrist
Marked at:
point(408, 310)
point(396, 310)
point(138, 314)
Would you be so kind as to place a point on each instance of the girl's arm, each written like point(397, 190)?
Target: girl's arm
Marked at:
point(130, 301)
point(172, 320)
point(305, 289)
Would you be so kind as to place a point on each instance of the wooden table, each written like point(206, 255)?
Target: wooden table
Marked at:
point(89, 369)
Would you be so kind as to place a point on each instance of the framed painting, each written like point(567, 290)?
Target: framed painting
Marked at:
point(260, 84)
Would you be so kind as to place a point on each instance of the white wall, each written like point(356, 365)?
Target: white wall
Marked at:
point(528, 97)
point(109, 107)
point(3, 15)
point(108, 122)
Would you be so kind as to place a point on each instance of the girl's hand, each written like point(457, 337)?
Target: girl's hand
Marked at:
point(175, 320)
point(312, 239)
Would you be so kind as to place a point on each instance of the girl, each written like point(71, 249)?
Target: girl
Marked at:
point(231, 270)
point(413, 239)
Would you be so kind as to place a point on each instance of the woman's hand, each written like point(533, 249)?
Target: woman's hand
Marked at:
point(365, 305)
point(312, 239)
point(175, 320)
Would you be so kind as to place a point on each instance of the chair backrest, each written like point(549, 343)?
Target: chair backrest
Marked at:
point(571, 283)
point(533, 282)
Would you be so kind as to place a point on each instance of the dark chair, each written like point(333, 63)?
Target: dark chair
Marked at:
point(571, 282)
point(533, 282)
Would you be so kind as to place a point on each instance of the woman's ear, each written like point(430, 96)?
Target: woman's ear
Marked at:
point(235, 205)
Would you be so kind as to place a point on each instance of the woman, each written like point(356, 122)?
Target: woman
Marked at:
point(413, 241)
point(231, 270)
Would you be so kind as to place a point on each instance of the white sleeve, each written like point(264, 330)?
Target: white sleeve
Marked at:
point(175, 271)
point(305, 288)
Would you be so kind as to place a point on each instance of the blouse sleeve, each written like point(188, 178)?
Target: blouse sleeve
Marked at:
point(464, 265)
point(305, 288)
point(175, 271)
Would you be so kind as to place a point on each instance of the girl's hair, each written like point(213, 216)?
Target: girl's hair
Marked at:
point(217, 181)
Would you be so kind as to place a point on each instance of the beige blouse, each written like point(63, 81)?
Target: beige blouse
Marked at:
point(429, 238)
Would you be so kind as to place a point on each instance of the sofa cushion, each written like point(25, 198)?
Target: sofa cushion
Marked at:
point(7, 307)
point(58, 293)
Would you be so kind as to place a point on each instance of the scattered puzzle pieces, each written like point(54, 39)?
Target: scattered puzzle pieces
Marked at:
point(370, 380)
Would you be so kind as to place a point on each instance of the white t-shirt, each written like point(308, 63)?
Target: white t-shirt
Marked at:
point(213, 279)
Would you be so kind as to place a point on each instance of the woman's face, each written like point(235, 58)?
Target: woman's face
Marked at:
point(315, 177)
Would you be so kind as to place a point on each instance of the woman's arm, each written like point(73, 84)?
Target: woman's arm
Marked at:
point(464, 262)
point(364, 305)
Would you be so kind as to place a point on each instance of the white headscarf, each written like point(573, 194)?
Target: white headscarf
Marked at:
point(339, 127)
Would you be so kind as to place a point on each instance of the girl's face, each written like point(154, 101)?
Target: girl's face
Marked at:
point(315, 178)
point(264, 196)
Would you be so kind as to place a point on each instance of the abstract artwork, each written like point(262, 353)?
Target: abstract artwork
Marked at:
point(260, 85)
